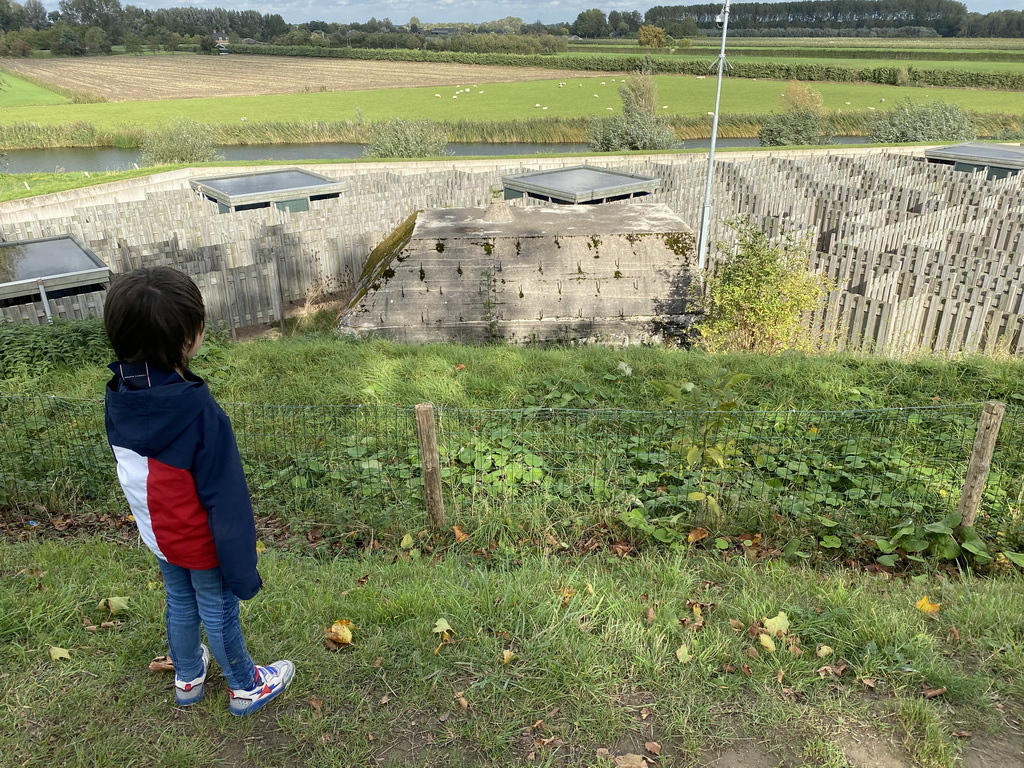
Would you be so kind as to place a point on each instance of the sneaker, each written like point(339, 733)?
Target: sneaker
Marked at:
point(272, 682)
point(192, 691)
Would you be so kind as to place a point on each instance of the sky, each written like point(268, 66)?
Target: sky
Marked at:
point(439, 11)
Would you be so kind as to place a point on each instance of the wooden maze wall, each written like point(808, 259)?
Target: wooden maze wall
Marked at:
point(922, 257)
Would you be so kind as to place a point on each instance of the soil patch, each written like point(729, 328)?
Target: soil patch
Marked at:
point(1000, 750)
point(138, 78)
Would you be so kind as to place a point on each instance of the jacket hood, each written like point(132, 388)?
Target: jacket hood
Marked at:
point(150, 408)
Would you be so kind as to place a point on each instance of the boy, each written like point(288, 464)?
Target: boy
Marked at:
point(180, 470)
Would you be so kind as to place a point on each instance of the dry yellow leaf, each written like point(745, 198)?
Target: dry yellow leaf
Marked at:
point(779, 626)
point(260, 547)
point(507, 656)
point(737, 626)
point(697, 535)
point(341, 632)
point(683, 654)
point(926, 605)
point(767, 643)
point(823, 651)
point(58, 653)
point(460, 535)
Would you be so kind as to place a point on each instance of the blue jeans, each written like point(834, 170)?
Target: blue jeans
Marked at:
point(194, 596)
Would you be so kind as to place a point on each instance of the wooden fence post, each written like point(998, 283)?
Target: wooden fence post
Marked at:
point(430, 459)
point(981, 458)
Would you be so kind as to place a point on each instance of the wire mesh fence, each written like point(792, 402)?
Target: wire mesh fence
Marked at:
point(360, 466)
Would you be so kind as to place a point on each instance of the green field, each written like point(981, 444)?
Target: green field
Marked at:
point(18, 92)
point(597, 96)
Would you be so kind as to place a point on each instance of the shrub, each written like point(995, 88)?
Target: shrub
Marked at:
point(34, 350)
point(803, 121)
point(756, 298)
point(182, 141)
point(407, 138)
point(650, 36)
point(907, 121)
point(639, 127)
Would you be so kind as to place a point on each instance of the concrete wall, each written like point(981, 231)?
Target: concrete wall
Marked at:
point(616, 273)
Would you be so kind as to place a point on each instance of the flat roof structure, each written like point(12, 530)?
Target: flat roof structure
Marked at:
point(289, 189)
point(1001, 160)
point(580, 184)
point(48, 267)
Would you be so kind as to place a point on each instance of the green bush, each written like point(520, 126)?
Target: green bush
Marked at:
point(639, 127)
point(182, 141)
point(756, 298)
point(907, 121)
point(407, 138)
point(803, 122)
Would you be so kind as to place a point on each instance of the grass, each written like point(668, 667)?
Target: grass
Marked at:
point(594, 665)
point(683, 95)
point(19, 92)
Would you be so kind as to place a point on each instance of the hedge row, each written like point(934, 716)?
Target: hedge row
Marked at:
point(951, 78)
point(924, 54)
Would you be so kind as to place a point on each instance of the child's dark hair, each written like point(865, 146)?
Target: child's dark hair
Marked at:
point(153, 315)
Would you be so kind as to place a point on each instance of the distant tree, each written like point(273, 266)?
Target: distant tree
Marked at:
point(407, 138)
point(105, 14)
point(591, 23)
point(639, 127)
point(207, 44)
point(96, 41)
point(651, 37)
point(132, 43)
point(907, 121)
point(17, 45)
point(153, 43)
point(35, 15)
point(181, 141)
point(66, 43)
point(803, 121)
point(173, 42)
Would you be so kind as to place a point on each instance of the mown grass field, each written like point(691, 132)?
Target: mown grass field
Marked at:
point(17, 92)
point(580, 97)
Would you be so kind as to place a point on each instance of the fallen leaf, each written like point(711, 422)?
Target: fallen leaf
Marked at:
point(461, 699)
point(113, 604)
point(746, 670)
point(507, 656)
point(835, 670)
point(931, 693)
point(630, 761)
point(442, 626)
point(954, 633)
point(340, 632)
point(767, 643)
point(161, 664)
point(752, 653)
point(926, 605)
point(460, 367)
point(317, 704)
point(460, 535)
point(870, 682)
point(58, 653)
point(778, 626)
point(963, 734)
point(260, 547)
point(653, 747)
point(566, 594)
point(644, 713)
point(650, 615)
point(779, 675)
point(407, 542)
point(728, 668)
point(697, 535)
point(823, 651)
point(621, 548)
point(737, 626)
point(683, 654)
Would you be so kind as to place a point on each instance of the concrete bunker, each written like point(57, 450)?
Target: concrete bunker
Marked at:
point(48, 268)
point(618, 273)
point(997, 160)
point(578, 185)
point(289, 189)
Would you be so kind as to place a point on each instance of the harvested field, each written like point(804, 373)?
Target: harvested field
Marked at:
point(141, 78)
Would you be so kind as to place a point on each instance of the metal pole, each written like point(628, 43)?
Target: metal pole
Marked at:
point(45, 300)
point(705, 218)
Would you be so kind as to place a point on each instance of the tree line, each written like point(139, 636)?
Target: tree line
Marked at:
point(948, 18)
